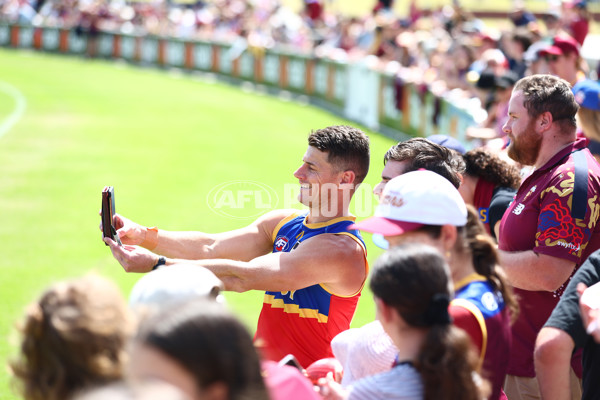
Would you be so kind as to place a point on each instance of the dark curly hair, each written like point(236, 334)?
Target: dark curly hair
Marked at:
point(488, 166)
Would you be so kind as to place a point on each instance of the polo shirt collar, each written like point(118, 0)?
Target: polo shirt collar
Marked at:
point(579, 143)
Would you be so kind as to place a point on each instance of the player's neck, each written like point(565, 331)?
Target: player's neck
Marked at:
point(320, 215)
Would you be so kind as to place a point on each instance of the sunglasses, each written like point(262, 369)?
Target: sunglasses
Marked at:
point(551, 58)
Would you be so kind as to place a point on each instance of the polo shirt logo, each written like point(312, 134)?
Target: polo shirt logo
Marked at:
point(519, 209)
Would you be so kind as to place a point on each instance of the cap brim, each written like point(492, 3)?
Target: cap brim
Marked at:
point(552, 50)
point(385, 226)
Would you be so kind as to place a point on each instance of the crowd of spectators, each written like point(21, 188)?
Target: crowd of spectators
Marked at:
point(452, 54)
point(447, 50)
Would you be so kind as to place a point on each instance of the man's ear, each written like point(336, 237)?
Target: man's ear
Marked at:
point(348, 176)
point(544, 121)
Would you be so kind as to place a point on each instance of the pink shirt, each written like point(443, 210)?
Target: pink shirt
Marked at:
point(287, 383)
point(539, 219)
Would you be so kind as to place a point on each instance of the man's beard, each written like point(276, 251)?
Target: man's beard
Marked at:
point(526, 149)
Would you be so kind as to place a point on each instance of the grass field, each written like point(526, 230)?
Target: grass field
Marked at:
point(163, 139)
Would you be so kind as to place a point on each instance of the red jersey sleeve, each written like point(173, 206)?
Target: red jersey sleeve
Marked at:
point(465, 319)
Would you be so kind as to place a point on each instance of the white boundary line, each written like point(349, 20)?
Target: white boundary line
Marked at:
point(21, 105)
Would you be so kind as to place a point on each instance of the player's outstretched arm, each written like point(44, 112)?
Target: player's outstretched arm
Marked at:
point(241, 244)
point(337, 261)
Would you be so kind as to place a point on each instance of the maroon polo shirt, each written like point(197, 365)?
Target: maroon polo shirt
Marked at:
point(539, 219)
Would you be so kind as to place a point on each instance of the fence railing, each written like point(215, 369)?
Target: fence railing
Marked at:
point(378, 100)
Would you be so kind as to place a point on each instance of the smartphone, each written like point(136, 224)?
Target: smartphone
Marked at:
point(291, 361)
point(108, 211)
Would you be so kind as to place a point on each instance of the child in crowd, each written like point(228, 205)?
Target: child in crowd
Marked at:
point(412, 289)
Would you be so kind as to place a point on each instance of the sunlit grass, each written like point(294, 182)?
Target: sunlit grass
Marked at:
point(163, 140)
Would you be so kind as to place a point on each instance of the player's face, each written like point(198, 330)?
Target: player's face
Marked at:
point(525, 141)
point(317, 178)
point(391, 170)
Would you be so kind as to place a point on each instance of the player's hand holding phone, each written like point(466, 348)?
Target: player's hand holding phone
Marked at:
point(107, 214)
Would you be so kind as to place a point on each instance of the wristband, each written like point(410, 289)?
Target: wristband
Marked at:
point(151, 239)
point(161, 261)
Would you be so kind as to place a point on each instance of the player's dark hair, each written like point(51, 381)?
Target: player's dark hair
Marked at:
point(414, 280)
point(347, 148)
point(423, 153)
point(209, 342)
point(549, 93)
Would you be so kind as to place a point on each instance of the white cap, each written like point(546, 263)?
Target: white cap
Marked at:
point(412, 200)
point(178, 282)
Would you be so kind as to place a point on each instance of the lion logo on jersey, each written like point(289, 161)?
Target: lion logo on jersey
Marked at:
point(281, 243)
point(290, 292)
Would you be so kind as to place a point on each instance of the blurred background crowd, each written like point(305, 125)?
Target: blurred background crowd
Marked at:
point(447, 49)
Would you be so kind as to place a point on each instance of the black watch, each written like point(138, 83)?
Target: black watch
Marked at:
point(161, 261)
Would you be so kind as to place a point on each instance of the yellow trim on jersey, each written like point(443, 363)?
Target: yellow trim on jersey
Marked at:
point(353, 236)
point(479, 317)
point(474, 277)
point(357, 240)
point(318, 225)
point(295, 309)
point(283, 222)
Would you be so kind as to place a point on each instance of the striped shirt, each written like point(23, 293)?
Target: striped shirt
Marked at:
point(402, 382)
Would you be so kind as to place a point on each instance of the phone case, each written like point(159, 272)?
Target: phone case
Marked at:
point(108, 210)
